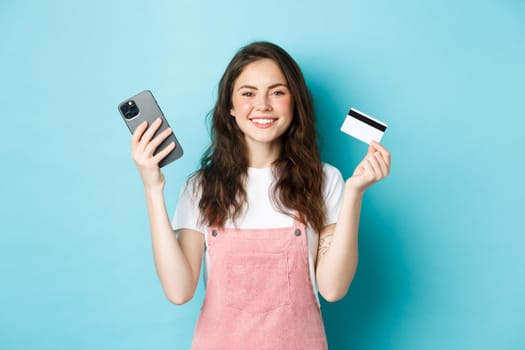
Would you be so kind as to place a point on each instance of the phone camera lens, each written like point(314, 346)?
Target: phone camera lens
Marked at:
point(129, 109)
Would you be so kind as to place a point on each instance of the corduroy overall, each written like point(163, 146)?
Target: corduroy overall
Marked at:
point(259, 294)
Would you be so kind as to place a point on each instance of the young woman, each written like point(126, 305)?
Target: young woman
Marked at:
point(275, 224)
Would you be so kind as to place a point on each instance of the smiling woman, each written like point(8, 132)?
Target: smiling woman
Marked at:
point(273, 221)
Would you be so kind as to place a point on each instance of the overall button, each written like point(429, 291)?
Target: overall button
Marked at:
point(297, 232)
point(214, 233)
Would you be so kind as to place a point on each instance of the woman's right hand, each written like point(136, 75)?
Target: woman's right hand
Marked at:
point(143, 146)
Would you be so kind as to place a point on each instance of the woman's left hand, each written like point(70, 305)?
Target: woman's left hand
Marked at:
point(374, 167)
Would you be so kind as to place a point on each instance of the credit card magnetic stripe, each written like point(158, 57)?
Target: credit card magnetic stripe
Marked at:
point(365, 119)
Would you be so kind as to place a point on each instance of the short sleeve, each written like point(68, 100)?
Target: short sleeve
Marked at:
point(332, 192)
point(187, 212)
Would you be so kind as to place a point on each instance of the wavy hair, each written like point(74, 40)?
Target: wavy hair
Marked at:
point(298, 170)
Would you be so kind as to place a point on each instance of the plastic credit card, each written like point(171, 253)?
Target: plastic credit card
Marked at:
point(363, 127)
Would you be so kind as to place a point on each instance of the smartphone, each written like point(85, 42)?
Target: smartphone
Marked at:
point(143, 107)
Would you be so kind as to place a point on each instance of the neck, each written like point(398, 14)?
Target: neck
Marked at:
point(263, 155)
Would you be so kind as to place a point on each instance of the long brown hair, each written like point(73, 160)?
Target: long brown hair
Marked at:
point(298, 170)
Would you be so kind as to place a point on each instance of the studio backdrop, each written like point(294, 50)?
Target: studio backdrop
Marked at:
point(441, 240)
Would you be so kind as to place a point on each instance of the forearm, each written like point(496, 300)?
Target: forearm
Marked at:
point(176, 276)
point(338, 256)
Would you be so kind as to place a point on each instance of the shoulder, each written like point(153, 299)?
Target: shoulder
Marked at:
point(333, 189)
point(331, 173)
point(333, 181)
point(187, 212)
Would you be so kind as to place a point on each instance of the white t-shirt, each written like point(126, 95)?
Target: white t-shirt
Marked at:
point(260, 211)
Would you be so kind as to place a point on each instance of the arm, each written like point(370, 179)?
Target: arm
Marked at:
point(338, 249)
point(177, 261)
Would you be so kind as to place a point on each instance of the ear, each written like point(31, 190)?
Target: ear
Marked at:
point(232, 112)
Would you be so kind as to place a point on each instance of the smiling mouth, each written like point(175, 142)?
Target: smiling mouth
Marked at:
point(263, 122)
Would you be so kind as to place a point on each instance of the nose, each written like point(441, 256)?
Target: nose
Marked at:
point(263, 103)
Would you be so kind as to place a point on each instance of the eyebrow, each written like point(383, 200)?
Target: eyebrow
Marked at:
point(269, 87)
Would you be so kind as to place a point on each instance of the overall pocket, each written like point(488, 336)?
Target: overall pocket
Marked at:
point(257, 283)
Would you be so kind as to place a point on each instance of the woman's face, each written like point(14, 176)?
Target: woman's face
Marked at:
point(261, 103)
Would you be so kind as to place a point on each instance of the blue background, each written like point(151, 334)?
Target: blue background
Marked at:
point(441, 242)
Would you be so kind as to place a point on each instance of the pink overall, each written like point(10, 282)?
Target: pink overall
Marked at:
point(259, 294)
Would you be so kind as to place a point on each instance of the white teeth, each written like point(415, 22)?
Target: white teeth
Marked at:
point(262, 121)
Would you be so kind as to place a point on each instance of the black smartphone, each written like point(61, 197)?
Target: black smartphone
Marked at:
point(143, 107)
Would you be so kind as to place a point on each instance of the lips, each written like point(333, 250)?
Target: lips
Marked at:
point(263, 122)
